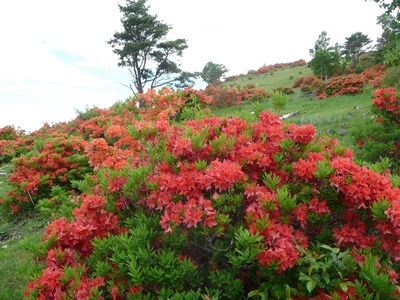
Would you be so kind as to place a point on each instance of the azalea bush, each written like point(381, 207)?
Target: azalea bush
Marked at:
point(54, 161)
point(8, 143)
point(222, 208)
point(307, 83)
point(342, 85)
point(284, 90)
point(222, 97)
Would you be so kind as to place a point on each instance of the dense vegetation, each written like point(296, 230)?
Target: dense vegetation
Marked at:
point(172, 202)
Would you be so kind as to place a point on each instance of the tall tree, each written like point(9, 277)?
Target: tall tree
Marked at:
point(325, 58)
point(143, 48)
point(355, 46)
point(390, 6)
point(389, 43)
point(213, 72)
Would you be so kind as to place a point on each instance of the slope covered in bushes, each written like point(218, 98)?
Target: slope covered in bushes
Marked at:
point(171, 202)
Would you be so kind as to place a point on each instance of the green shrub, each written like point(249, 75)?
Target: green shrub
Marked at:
point(379, 137)
point(279, 101)
point(392, 77)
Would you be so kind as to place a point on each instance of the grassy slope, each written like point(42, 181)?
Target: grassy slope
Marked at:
point(18, 238)
point(269, 81)
point(331, 114)
point(21, 237)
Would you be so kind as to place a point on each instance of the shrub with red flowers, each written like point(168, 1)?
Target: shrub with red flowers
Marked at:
point(164, 104)
point(221, 208)
point(341, 85)
point(54, 161)
point(307, 83)
point(9, 140)
point(65, 275)
point(284, 90)
point(223, 97)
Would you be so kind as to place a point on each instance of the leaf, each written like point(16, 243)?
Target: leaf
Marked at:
point(311, 285)
point(343, 286)
point(253, 293)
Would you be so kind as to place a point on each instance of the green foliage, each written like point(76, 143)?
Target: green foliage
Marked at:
point(378, 138)
point(389, 43)
point(354, 46)
point(143, 42)
point(392, 77)
point(213, 72)
point(87, 114)
point(325, 60)
point(374, 283)
point(58, 205)
point(326, 267)
point(279, 101)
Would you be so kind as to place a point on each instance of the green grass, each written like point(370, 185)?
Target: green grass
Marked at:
point(16, 265)
point(330, 115)
point(19, 240)
point(327, 115)
point(284, 77)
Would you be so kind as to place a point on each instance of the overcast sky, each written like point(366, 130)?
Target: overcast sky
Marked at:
point(54, 57)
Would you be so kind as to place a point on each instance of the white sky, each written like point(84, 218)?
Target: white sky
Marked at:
point(54, 57)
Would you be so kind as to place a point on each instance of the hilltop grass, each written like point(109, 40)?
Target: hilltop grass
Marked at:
point(284, 77)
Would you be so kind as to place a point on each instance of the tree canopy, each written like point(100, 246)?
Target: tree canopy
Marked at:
point(325, 58)
point(389, 6)
point(355, 46)
point(143, 47)
point(213, 72)
point(389, 43)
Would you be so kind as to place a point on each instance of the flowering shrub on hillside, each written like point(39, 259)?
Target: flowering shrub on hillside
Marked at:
point(217, 208)
point(54, 161)
point(223, 97)
point(341, 85)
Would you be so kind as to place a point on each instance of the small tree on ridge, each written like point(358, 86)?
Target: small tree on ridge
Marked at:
point(355, 46)
point(143, 48)
point(213, 72)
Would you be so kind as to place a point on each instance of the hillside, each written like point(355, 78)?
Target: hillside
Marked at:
point(334, 117)
point(281, 77)
point(124, 189)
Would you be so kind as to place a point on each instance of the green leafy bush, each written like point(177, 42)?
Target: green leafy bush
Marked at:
point(379, 137)
point(279, 101)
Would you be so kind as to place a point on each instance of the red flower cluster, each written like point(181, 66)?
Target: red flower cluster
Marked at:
point(386, 100)
point(57, 162)
point(69, 239)
point(303, 134)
